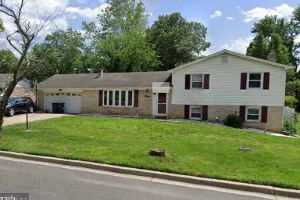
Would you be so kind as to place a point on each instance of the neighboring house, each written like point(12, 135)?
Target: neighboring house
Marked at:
point(22, 88)
point(207, 89)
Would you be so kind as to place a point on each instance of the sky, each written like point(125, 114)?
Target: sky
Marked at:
point(229, 22)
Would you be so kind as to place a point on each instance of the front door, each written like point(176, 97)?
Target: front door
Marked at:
point(162, 100)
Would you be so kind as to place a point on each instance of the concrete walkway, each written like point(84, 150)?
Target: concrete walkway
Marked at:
point(21, 118)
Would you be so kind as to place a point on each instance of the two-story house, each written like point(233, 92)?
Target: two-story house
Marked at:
point(207, 89)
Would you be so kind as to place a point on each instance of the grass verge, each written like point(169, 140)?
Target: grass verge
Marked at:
point(192, 149)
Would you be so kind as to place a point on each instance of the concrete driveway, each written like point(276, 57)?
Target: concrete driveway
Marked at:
point(21, 118)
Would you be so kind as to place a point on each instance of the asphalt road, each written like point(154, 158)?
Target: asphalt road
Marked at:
point(44, 182)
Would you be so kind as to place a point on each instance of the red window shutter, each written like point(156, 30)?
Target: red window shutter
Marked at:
point(204, 112)
point(100, 97)
point(187, 81)
point(243, 112)
point(243, 81)
point(136, 98)
point(264, 114)
point(266, 81)
point(186, 111)
point(206, 81)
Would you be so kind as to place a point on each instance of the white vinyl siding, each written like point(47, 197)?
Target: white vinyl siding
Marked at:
point(225, 84)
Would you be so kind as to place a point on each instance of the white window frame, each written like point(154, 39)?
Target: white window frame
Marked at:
point(191, 81)
point(261, 80)
point(120, 99)
point(252, 120)
point(195, 118)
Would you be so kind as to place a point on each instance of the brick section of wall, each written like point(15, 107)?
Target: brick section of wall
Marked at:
point(18, 92)
point(175, 111)
point(275, 117)
point(275, 120)
point(32, 94)
point(90, 100)
point(221, 112)
point(41, 97)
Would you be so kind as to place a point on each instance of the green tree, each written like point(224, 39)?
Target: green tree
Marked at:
point(118, 38)
point(284, 29)
point(176, 40)
point(258, 47)
point(296, 24)
point(61, 53)
point(296, 16)
point(7, 61)
point(280, 49)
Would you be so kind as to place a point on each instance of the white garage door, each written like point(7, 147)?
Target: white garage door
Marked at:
point(72, 101)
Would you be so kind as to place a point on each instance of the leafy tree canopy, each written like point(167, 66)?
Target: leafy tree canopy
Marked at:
point(7, 61)
point(118, 38)
point(61, 53)
point(176, 40)
point(278, 34)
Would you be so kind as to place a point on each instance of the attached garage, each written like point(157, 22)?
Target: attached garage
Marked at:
point(72, 101)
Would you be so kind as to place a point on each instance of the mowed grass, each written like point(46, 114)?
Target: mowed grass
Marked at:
point(192, 148)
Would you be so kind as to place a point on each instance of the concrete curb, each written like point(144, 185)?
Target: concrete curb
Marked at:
point(160, 175)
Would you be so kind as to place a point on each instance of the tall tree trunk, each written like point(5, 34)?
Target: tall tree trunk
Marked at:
point(1, 124)
point(3, 102)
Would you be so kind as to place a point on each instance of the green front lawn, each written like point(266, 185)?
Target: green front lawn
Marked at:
point(192, 148)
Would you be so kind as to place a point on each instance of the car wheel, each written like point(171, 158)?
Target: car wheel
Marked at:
point(31, 109)
point(11, 112)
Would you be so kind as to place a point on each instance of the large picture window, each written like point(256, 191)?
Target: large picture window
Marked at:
point(118, 98)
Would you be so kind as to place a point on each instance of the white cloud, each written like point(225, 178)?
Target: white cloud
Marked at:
point(283, 10)
point(297, 40)
point(87, 13)
point(230, 18)
point(206, 53)
point(217, 13)
point(35, 12)
point(240, 45)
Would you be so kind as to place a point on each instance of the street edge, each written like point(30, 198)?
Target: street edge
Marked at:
point(160, 175)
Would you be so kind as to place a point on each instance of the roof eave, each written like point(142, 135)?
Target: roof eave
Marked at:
point(286, 67)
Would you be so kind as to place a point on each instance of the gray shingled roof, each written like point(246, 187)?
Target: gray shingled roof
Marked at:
point(132, 79)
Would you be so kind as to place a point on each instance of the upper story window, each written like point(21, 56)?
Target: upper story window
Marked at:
point(255, 80)
point(118, 98)
point(197, 81)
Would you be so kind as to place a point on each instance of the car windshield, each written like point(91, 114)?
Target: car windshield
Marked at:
point(12, 100)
